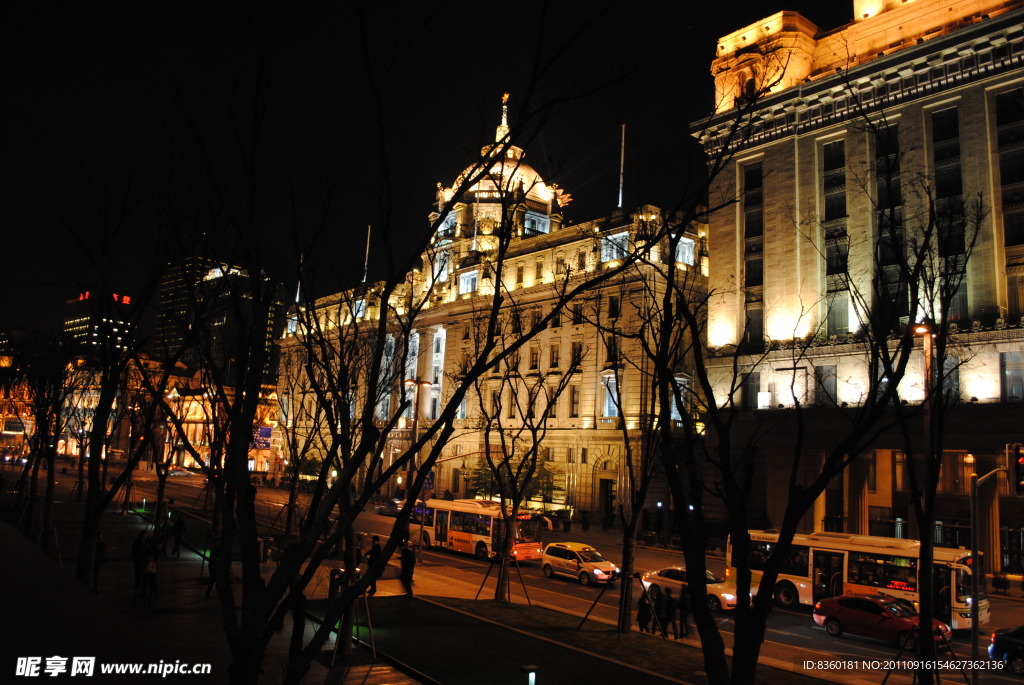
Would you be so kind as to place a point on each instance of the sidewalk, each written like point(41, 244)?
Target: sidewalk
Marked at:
point(46, 612)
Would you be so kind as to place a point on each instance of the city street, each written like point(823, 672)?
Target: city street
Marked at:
point(788, 629)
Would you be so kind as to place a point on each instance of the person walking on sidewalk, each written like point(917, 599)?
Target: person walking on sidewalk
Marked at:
point(178, 530)
point(149, 577)
point(139, 546)
point(671, 615)
point(408, 560)
point(643, 613)
point(371, 557)
point(684, 611)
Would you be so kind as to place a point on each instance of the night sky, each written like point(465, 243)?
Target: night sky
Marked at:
point(99, 99)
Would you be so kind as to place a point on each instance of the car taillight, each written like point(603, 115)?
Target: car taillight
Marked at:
point(993, 638)
point(817, 607)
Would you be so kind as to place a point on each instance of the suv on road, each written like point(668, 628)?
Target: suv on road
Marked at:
point(577, 560)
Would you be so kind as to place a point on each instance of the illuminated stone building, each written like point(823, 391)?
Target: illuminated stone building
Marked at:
point(582, 455)
point(936, 86)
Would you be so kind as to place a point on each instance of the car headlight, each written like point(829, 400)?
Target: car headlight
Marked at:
point(728, 597)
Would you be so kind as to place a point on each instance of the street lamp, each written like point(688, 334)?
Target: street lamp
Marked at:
point(975, 566)
point(415, 384)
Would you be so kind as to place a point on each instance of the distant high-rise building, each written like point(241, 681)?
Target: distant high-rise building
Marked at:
point(203, 306)
point(94, 318)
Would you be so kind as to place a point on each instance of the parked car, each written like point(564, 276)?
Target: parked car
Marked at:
point(876, 616)
point(1008, 646)
point(390, 507)
point(577, 560)
point(721, 596)
point(178, 471)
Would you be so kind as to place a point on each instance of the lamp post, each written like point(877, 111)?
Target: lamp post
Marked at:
point(975, 566)
point(415, 384)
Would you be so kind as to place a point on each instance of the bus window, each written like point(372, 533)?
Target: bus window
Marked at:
point(881, 570)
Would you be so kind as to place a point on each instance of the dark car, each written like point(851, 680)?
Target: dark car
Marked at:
point(391, 507)
point(876, 616)
point(1008, 646)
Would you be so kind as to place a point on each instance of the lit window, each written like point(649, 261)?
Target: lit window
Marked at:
point(685, 251)
point(615, 246)
point(611, 396)
point(440, 266)
point(535, 224)
point(468, 282)
point(359, 309)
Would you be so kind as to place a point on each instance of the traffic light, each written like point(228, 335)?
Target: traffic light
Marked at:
point(1018, 470)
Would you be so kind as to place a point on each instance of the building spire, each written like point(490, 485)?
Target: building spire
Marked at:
point(502, 133)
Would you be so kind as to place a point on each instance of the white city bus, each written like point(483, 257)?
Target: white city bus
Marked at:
point(823, 565)
point(476, 527)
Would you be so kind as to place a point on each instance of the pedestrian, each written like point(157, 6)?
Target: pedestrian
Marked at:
point(661, 612)
point(684, 611)
point(671, 615)
point(98, 561)
point(408, 561)
point(214, 560)
point(643, 613)
point(178, 530)
point(149, 577)
point(162, 538)
point(139, 549)
point(371, 557)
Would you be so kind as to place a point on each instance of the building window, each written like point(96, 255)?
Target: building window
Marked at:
point(836, 254)
point(1010, 123)
point(872, 471)
point(753, 201)
point(538, 270)
point(685, 251)
point(834, 179)
point(440, 265)
point(613, 307)
point(534, 358)
point(574, 401)
point(552, 408)
point(359, 309)
point(556, 319)
point(535, 224)
point(615, 246)
point(901, 477)
point(1012, 373)
point(577, 355)
point(753, 273)
point(611, 347)
point(825, 377)
point(549, 454)
point(460, 413)
point(611, 396)
point(577, 314)
point(838, 321)
point(520, 273)
point(750, 388)
point(570, 457)
point(511, 413)
point(583, 455)
point(753, 334)
point(581, 261)
point(560, 267)
point(468, 282)
point(554, 356)
point(1015, 295)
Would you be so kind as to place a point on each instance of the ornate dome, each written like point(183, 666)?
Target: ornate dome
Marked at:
point(507, 174)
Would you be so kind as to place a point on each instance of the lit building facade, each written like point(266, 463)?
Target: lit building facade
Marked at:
point(582, 454)
point(923, 98)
